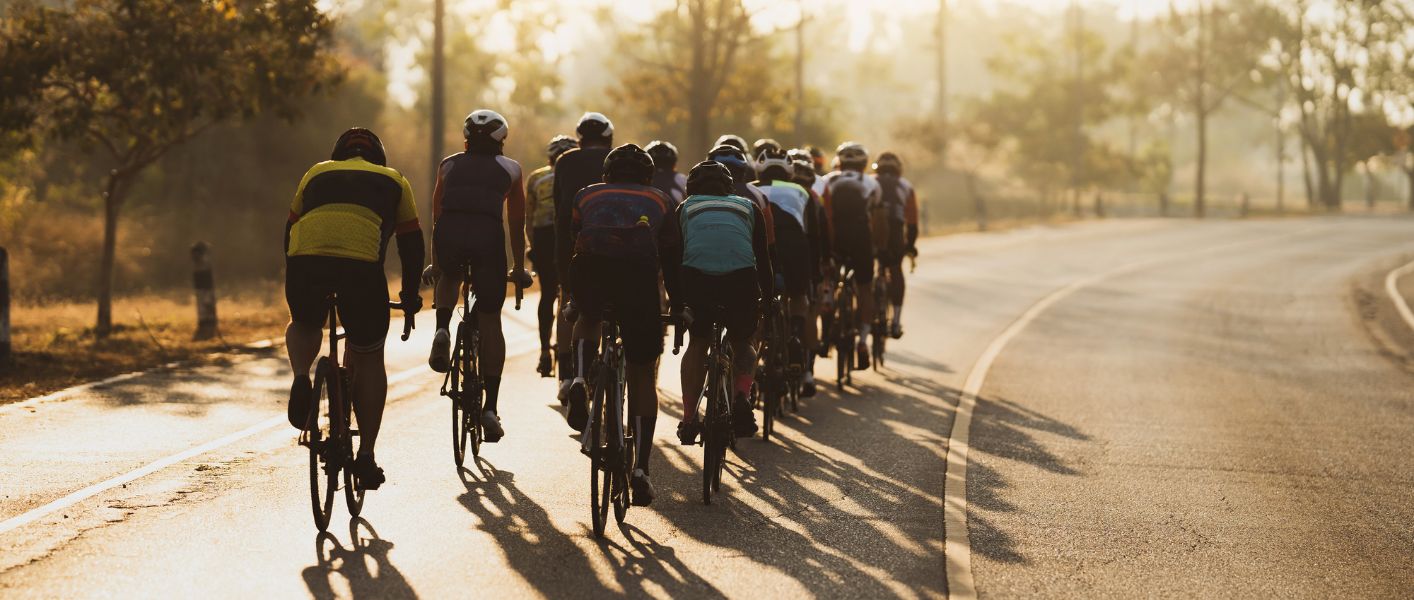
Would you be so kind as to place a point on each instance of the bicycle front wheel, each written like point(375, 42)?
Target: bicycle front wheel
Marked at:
point(455, 385)
point(600, 479)
point(353, 493)
point(323, 461)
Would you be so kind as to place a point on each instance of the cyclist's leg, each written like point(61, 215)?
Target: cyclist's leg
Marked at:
point(451, 259)
point(896, 289)
point(363, 308)
point(743, 321)
point(589, 277)
point(307, 295)
point(543, 247)
point(693, 373)
point(864, 295)
point(488, 280)
point(638, 308)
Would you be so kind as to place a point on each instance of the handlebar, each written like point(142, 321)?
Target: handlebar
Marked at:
point(680, 324)
point(409, 323)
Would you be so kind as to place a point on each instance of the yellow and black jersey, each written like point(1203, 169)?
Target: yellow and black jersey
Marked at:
point(349, 209)
point(540, 198)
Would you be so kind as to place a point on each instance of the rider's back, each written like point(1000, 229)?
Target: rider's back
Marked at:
point(349, 209)
point(717, 233)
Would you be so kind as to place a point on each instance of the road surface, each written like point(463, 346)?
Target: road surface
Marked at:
point(1162, 408)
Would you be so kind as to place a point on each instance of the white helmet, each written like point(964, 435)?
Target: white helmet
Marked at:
point(771, 157)
point(594, 125)
point(852, 155)
point(487, 124)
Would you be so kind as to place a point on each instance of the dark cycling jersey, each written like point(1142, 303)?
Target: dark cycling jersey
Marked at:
point(847, 197)
point(574, 171)
point(796, 226)
point(672, 183)
point(619, 221)
point(898, 230)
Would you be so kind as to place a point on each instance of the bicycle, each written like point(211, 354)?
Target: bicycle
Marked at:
point(463, 383)
point(714, 407)
point(880, 331)
point(846, 332)
point(610, 443)
point(330, 439)
point(772, 372)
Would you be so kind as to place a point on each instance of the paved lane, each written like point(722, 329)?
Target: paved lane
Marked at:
point(848, 504)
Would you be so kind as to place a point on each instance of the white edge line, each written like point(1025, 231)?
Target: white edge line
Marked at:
point(957, 548)
point(73, 498)
point(1392, 288)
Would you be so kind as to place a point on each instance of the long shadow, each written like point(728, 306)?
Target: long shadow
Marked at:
point(531, 543)
point(852, 505)
point(383, 581)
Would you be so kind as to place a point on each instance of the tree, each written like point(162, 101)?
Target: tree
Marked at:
point(135, 78)
point(1212, 53)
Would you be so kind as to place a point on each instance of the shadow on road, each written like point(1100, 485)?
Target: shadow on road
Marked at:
point(383, 580)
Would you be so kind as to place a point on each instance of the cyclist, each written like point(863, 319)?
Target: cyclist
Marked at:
point(743, 173)
point(848, 195)
point(796, 228)
point(540, 227)
point(344, 213)
point(896, 230)
point(620, 246)
point(738, 142)
point(822, 300)
point(817, 158)
point(473, 189)
point(722, 261)
point(665, 175)
point(763, 144)
point(574, 171)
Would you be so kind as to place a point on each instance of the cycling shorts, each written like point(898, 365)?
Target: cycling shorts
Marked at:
point(542, 258)
point(857, 253)
point(461, 242)
point(793, 254)
point(736, 292)
point(361, 288)
point(632, 290)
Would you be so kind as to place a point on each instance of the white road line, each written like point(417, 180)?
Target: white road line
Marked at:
point(957, 544)
point(1392, 288)
point(517, 344)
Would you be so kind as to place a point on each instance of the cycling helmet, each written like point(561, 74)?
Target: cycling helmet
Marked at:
point(485, 125)
point(558, 145)
point(628, 164)
point(763, 144)
point(709, 178)
point(804, 172)
point(665, 155)
point(888, 162)
point(817, 158)
point(731, 140)
point(594, 126)
point(853, 156)
point(361, 142)
point(773, 164)
point(728, 155)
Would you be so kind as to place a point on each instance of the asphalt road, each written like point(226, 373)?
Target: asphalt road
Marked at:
point(1205, 413)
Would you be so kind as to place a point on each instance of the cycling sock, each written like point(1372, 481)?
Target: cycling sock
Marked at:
point(743, 384)
point(444, 318)
point(493, 392)
point(643, 432)
point(864, 331)
point(898, 312)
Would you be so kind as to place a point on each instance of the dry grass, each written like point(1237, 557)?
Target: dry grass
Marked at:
point(54, 346)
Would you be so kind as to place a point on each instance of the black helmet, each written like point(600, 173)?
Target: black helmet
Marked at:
point(485, 126)
point(361, 142)
point(763, 144)
point(665, 155)
point(773, 164)
point(733, 158)
point(889, 163)
point(731, 140)
point(628, 164)
point(594, 126)
point(709, 178)
point(558, 145)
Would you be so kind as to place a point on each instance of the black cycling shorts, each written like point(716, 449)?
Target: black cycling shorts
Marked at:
point(737, 292)
point(793, 254)
point(542, 259)
point(460, 242)
point(856, 252)
point(361, 288)
point(632, 290)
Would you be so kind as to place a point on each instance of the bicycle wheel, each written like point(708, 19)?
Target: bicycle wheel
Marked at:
point(724, 432)
point(600, 479)
point(471, 373)
point(621, 442)
point(323, 461)
point(353, 492)
point(710, 440)
point(453, 390)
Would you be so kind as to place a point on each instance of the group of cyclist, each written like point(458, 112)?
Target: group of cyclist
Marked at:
point(614, 232)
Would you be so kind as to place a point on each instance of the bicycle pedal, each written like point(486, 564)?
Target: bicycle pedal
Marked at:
point(353, 432)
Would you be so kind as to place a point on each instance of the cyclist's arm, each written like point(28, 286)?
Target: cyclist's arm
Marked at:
point(411, 250)
point(670, 254)
point(812, 236)
point(515, 212)
point(910, 214)
point(562, 207)
point(765, 276)
point(437, 194)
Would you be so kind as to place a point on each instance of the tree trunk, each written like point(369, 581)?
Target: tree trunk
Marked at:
point(112, 203)
point(978, 201)
point(1199, 202)
point(1369, 186)
point(1306, 174)
point(1410, 174)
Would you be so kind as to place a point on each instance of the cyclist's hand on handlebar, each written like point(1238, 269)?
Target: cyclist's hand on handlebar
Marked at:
point(411, 301)
point(431, 274)
point(521, 278)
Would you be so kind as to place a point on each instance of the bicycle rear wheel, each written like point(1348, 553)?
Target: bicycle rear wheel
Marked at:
point(621, 442)
point(353, 492)
point(323, 455)
point(471, 384)
point(600, 478)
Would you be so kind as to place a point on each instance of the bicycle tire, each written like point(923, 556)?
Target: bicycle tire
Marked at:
point(321, 500)
point(460, 434)
point(710, 440)
point(600, 480)
point(622, 454)
point(471, 373)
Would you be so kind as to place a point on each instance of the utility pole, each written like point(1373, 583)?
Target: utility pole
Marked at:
point(800, 72)
point(439, 69)
point(942, 33)
point(1281, 147)
point(1078, 143)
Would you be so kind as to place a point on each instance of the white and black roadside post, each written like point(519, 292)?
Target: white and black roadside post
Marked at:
point(4, 306)
point(205, 284)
